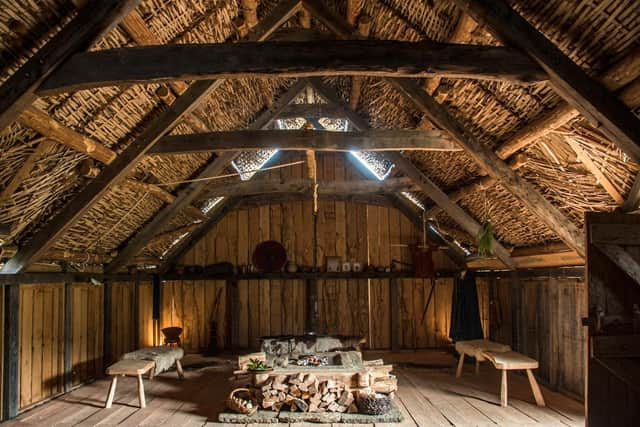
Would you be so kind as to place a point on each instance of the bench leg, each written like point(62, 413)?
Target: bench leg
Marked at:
point(503, 389)
point(535, 388)
point(152, 372)
point(112, 392)
point(143, 402)
point(477, 366)
point(179, 369)
point(460, 365)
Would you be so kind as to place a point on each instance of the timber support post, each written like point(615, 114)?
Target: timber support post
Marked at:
point(393, 309)
point(156, 304)
point(312, 306)
point(68, 336)
point(10, 371)
point(233, 314)
point(107, 323)
point(136, 312)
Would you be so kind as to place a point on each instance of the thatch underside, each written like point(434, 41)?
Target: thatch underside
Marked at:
point(594, 34)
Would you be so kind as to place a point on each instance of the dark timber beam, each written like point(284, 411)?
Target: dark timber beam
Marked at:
point(310, 111)
point(383, 58)
point(117, 170)
point(458, 214)
point(586, 94)
point(497, 168)
point(90, 24)
point(214, 168)
point(11, 351)
point(426, 185)
point(346, 188)
point(304, 139)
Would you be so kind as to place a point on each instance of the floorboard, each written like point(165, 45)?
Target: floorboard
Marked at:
point(428, 395)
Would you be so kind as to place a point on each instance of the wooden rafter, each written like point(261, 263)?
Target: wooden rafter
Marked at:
point(145, 64)
point(482, 154)
point(25, 169)
point(217, 166)
point(90, 24)
point(487, 159)
point(614, 78)
point(586, 94)
point(479, 184)
point(301, 140)
point(421, 180)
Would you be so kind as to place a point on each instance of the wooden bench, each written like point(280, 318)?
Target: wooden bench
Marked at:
point(509, 361)
point(475, 349)
point(132, 368)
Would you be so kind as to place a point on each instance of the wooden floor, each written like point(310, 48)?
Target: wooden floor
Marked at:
point(429, 395)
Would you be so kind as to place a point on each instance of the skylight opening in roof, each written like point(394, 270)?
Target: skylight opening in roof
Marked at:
point(210, 204)
point(249, 162)
point(375, 163)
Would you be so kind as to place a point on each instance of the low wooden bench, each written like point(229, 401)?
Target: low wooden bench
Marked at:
point(510, 361)
point(132, 368)
point(475, 349)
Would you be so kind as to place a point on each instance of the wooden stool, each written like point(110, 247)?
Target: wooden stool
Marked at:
point(510, 360)
point(132, 368)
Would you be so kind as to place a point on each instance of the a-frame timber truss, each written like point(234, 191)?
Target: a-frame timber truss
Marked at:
point(64, 64)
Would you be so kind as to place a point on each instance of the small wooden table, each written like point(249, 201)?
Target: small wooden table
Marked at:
point(132, 368)
point(511, 360)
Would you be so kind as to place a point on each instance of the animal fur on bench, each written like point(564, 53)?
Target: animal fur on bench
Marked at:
point(163, 356)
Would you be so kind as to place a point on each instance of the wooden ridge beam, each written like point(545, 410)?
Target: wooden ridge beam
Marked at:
point(90, 24)
point(304, 139)
point(382, 58)
point(614, 78)
point(586, 94)
point(187, 194)
point(496, 167)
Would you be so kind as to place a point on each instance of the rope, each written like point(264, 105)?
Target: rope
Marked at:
point(212, 178)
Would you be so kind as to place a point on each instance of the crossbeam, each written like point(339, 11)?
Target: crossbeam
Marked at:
point(383, 58)
point(301, 140)
point(246, 188)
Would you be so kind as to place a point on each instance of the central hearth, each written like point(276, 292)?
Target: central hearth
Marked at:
point(314, 379)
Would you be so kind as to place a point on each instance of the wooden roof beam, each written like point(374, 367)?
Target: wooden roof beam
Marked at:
point(246, 188)
point(187, 194)
point(587, 95)
point(482, 154)
point(487, 159)
point(126, 161)
point(303, 139)
point(478, 184)
point(90, 24)
point(422, 181)
point(145, 64)
point(614, 78)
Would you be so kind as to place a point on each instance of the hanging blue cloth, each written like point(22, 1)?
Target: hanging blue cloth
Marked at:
point(465, 314)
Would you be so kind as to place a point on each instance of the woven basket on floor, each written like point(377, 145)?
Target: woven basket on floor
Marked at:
point(243, 394)
point(373, 403)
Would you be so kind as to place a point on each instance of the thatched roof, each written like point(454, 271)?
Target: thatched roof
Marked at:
point(594, 34)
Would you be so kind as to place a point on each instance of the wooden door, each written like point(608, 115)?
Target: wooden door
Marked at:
point(613, 275)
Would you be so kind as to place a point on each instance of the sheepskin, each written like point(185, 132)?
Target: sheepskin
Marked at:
point(163, 356)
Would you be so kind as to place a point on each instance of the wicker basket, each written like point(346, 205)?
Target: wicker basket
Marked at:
point(241, 394)
point(373, 403)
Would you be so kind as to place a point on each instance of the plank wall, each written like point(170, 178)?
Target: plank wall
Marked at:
point(368, 234)
point(547, 326)
point(42, 335)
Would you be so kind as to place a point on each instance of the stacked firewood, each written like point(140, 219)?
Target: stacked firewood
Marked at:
point(304, 393)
